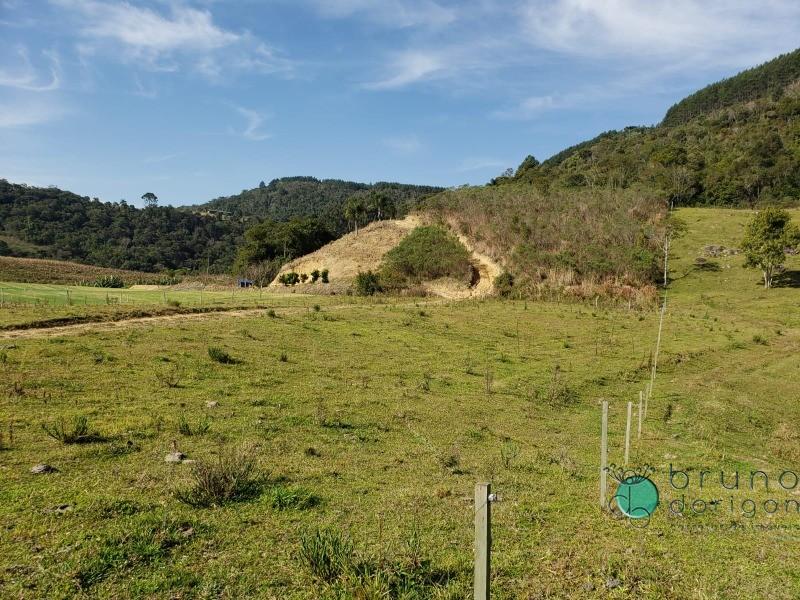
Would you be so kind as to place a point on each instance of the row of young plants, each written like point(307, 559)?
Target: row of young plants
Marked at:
point(292, 278)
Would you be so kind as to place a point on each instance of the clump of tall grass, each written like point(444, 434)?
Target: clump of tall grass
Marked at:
point(221, 356)
point(186, 428)
point(76, 432)
point(333, 560)
point(233, 475)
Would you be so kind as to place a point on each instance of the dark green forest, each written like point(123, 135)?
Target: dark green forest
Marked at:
point(53, 223)
point(325, 199)
point(733, 143)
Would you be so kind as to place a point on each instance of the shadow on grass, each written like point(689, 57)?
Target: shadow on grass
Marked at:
point(787, 279)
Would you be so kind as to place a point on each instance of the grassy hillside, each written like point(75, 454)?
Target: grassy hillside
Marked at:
point(733, 143)
point(376, 421)
point(34, 270)
point(574, 243)
point(291, 197)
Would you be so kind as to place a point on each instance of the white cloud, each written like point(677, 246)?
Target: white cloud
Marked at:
point(147, 31)
point(162, 41)
point(28, 112)
point(410, 67)
point(255, 120)
point(719, 32)
point(24, 76)
point(403, 144)
point(390, 13)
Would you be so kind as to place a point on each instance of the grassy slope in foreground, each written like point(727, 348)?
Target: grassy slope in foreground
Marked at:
point(393, 400)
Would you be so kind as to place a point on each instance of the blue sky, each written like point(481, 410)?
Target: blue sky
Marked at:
point(194, 99)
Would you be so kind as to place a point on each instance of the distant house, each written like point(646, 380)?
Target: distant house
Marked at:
point(245, 283)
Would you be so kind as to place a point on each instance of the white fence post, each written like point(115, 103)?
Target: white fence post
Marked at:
point(603, 454)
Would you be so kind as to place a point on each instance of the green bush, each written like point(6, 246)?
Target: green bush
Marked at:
point(426, 253)
point(314, 275)
point(324, 275)
point(504, 284)
point(290, 278)
point(367, 284)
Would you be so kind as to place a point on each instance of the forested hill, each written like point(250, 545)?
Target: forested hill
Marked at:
point(767, 81)
point(734, 143)
point(53, 223)
point(290, 197)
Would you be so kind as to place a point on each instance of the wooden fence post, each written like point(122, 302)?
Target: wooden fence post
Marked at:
point(640, 416)
point(483, 540)
point(603, 454)
point(628, 433)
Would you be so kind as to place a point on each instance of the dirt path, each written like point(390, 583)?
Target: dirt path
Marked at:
point(100, 326)
point(487, 271)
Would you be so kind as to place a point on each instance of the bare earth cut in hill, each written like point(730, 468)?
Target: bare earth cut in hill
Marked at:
point(353, 253)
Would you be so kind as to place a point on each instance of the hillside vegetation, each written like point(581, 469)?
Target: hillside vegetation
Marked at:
point(324, 199)
point(576, 242)
point(65, 226)
point(734, 143)
point(52, 223)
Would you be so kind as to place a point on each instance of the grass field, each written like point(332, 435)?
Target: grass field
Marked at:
point(376, 420)
point(26, 304)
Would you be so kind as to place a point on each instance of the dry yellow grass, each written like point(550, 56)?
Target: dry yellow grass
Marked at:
point(348, 255)
point(353, 253)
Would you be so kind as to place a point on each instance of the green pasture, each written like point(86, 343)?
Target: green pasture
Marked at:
point(375, 420)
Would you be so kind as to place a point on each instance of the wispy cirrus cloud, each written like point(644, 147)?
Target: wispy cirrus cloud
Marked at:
point(168, 41)
point(254, 121)
point(390, 13)
point(19, 72)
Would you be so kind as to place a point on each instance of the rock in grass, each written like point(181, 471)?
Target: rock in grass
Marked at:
point(42, 469)
point(613, 582)
point(175, 457)
point(212, 404)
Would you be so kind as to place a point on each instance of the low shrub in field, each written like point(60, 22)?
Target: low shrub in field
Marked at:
point(427, 253)
point(558, 392)
point(168, 376)
point(77, 432)
point(219, 355)
point(233, 476)
point(324, 276)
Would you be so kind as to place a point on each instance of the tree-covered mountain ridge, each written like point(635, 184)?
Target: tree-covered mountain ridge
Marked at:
point(49, 222)
point(732, 143)
point(324, 199)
